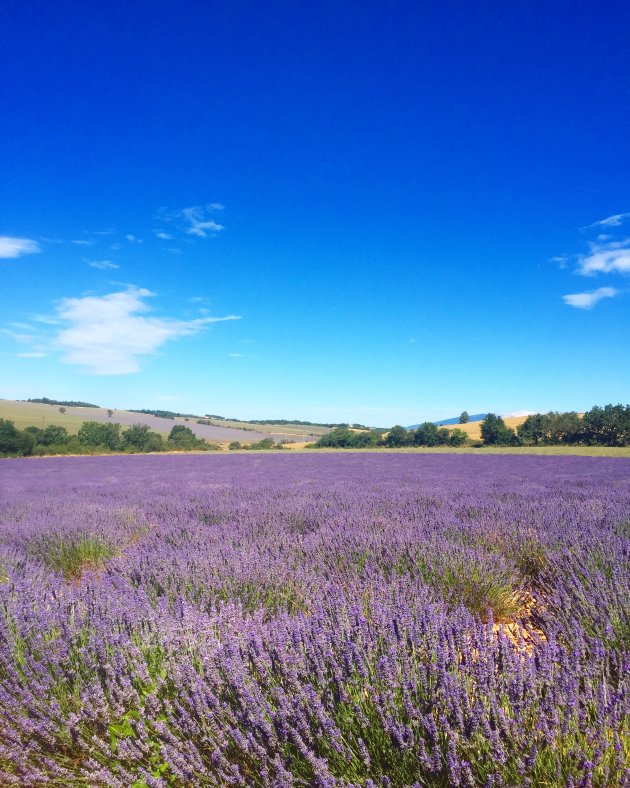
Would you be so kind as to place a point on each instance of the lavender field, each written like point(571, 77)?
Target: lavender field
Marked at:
point(330, 620)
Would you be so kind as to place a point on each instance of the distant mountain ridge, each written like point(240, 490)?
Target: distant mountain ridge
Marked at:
point(453, 421)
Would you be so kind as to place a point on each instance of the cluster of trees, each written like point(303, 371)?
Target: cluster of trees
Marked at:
point(289, 422)
point(95, 436)
point(68, 403)
point(426, 434)
point(162, 414)
point(600, 426)
point(262, 445)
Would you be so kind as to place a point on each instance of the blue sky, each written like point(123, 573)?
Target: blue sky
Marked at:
point(364, 211)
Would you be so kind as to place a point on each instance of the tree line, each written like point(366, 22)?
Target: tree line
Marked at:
point(68, 403)
point(600, 426)
point(96, 437)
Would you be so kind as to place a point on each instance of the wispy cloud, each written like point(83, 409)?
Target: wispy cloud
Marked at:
point(197, 220)
point(133, 239)
point(82, 242)
point(608, 253)
point(616, 220)
point(11, 247)
point(103, 265)
point(589, 299)
point(32, 355)
point(606, 257)
point(110, 335)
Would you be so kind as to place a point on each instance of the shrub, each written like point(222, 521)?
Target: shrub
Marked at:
point(95, 433)
point(14, 441)
point(234, 446)
point(181, 437)
point(140, 438)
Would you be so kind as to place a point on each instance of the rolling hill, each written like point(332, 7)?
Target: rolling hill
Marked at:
point(33, 414)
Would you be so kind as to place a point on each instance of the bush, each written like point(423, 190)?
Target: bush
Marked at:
point(263, 445)
point(14, 441)
point(181, 437)
point(140, 438)
point(234, 446)
point(95, 433)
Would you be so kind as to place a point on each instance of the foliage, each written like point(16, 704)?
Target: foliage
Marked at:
point(182, 437)
point(14, 441)
point(600, 426)
point(234, 446)
point(264, 445)
point(140, 438)
point(426, 434)
point(162, 414)
point(464, 417)
point(67, 403)
point(96, 433)
point(494, 432)
point(398, 436)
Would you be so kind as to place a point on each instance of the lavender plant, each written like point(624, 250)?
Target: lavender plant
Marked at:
point(361, 620)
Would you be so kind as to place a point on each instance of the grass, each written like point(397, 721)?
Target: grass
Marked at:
point(72, 555)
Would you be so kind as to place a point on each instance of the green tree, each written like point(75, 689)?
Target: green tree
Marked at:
point(181, 437)
point(398, 436)
point(54, 435)
point(62, 409)
point(534, 429)
point(96, 433)
point(14, 441)
point(426, 434)
point(495, 432)
point(457, 438)
point(464, 418)
point(140, 438)
point(607, 426)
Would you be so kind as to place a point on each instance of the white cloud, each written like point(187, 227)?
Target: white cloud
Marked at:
point(32, 355)
point(199, 222)
point(103, 265)
point(615, 220)
point(109, 335)
point(196, 220)
point(517, 414)
point(82, 242)
point(11, 247)
point(133, 239)
point(589, 299)
point(606, 257)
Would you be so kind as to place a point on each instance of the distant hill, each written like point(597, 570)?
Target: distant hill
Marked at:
point(38, 414)
point(453, 421)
